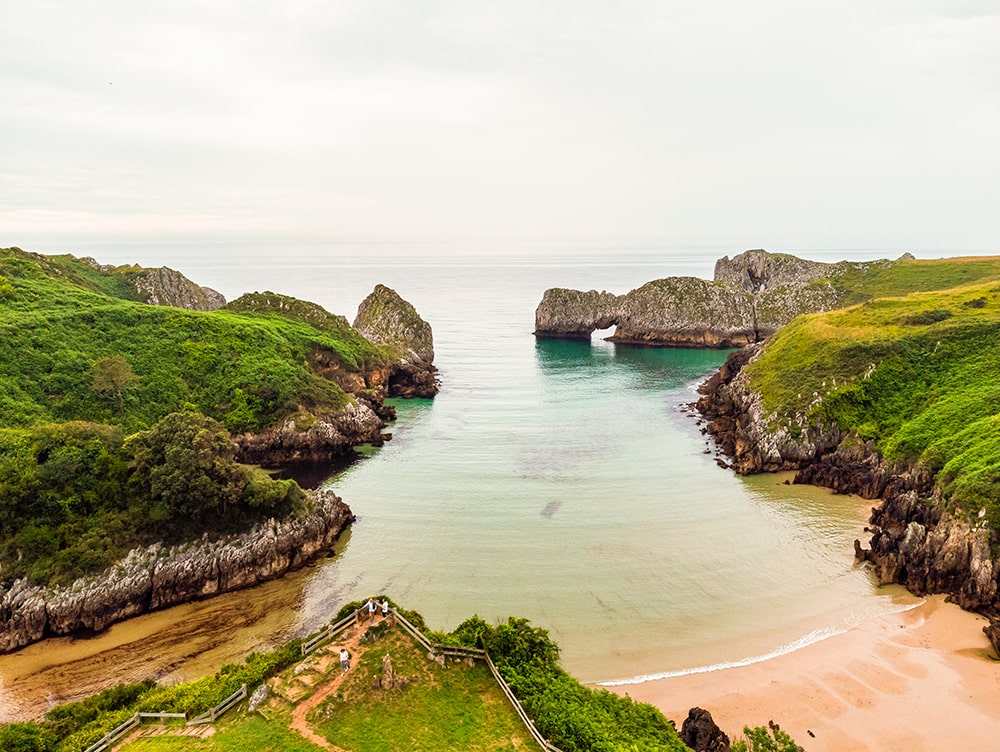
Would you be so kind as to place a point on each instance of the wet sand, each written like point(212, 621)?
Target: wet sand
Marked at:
point(921, 680)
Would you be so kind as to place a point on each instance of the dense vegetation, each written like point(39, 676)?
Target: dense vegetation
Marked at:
point(440, 709)
point(915, 376)
point(75, 726)
point(573, 717)
point(115, 415)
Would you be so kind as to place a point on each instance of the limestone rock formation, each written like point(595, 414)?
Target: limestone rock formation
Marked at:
point(164, 286)
point(758, 271)
point(388, 320)
point(686, 312)
point(309, 438)
point(157, 577)
point(571, 314)
point(752, 296)
point(739, 424)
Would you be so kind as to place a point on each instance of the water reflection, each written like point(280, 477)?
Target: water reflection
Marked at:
point(657, 366)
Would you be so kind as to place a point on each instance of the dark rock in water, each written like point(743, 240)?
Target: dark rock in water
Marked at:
point(386, 319)
point(700, 732)
point(157, 577)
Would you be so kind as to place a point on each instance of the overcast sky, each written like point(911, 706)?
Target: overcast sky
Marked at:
point(776, 123)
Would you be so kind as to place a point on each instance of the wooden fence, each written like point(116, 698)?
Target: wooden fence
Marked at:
point(111, 738)
point(209, 716)
point(330, 632)
point(454, 651)
point(458, 651)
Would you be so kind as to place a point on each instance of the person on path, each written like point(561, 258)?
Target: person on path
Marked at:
point(385, 607)
point(345, 661)
point(371, 609)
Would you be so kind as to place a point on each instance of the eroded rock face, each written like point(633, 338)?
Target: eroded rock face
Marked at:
point(758, 271)
point(572, 314)
point(752, 296)
point(737, 421)
point(157, 577)
point(915, 542)
point(164, 286)
point(310, 438)
point(386, 319)
point(686, 312)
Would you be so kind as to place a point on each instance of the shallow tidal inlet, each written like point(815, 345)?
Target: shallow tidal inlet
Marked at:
point(560, 481)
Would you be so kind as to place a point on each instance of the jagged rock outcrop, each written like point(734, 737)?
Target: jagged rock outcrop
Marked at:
point(758, 271)
point(915, 542)
point(674, 312)
point(700, 732)
point(309, 438)
point(752, 296)
point(157, 577)
point(388, 320)
point(739, 424)
point(164, 286)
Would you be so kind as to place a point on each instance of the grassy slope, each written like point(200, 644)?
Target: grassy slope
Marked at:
point(451, 708)
point(58, 316)
point(68, 505)
point(916, 374)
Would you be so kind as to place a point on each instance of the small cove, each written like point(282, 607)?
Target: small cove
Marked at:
point(560, 481)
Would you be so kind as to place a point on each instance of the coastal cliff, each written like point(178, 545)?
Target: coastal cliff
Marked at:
point(112, 444)
point(916, 541)
point(158, 576)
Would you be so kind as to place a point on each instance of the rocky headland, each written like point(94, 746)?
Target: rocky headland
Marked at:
point(750, 297)
point(159, 576)
point(915, 540)
point(342, 374)
point(408, 370)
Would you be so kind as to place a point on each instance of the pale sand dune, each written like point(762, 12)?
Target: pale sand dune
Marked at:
point(923, 680)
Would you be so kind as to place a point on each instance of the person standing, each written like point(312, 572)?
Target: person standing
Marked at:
point(385, 607)
point(345, 661)
point(371, 609)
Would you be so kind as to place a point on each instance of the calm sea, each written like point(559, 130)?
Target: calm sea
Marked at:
point(560, 481)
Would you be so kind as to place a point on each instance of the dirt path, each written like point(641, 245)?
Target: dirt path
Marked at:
point(351, 641)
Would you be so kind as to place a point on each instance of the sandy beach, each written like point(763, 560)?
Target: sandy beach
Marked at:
point(922, 680)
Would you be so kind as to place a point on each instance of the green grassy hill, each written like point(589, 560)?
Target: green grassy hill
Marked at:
point(914, 374)
point(116, 415)
point(247, 365)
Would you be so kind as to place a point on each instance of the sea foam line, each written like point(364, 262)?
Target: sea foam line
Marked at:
point(817, 635)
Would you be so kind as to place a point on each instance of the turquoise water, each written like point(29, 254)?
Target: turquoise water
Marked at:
point(566, 482)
